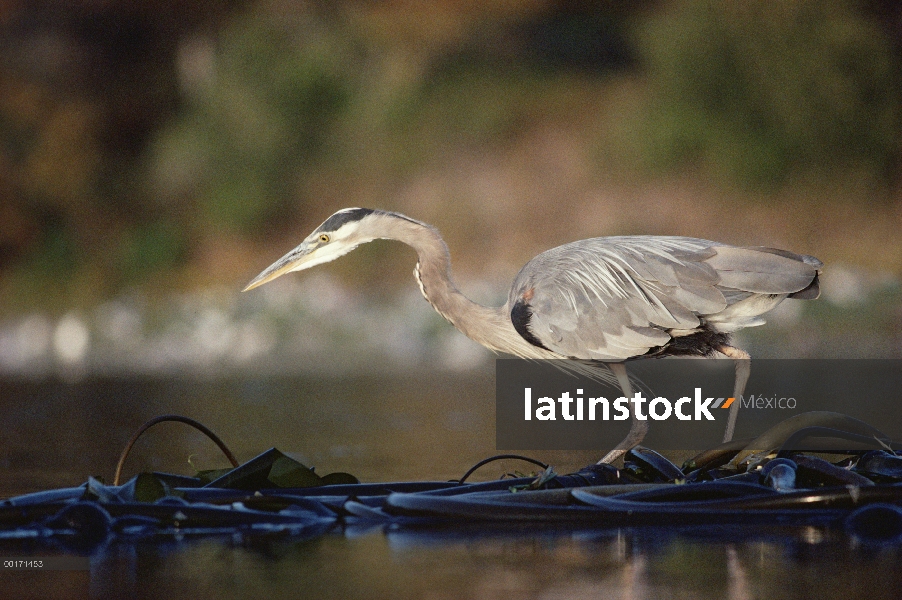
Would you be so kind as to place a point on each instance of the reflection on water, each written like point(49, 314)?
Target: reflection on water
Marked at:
point(432, 427)
point(476, 562)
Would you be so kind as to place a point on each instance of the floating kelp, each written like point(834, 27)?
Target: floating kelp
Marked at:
point(748, 482)
point(880, 465)
point(651, 466)
point(274, 469)
point(780, 474)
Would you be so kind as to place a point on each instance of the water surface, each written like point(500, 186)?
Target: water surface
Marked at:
point(57, 433)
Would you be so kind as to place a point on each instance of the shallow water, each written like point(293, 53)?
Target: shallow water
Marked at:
point(57, 433)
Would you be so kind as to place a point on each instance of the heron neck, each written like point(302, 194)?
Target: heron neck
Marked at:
point(489, 326)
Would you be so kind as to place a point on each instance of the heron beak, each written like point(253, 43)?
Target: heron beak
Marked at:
point(293, 261)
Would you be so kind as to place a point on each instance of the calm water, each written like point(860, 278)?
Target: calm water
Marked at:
point(56, 434)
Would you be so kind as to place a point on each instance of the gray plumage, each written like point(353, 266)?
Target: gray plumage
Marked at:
point(616, 298)
point(605, 299)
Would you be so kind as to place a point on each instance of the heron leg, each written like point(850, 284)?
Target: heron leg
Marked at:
point(743, 363)
point(638, 428)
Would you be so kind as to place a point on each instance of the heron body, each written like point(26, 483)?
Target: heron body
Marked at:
point(607, 299)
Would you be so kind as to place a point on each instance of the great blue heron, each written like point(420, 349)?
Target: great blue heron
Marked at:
point(605, 299)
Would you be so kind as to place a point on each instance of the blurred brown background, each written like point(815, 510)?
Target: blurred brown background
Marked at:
point(154, 156)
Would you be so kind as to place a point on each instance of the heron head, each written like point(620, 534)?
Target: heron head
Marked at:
point(338, 235)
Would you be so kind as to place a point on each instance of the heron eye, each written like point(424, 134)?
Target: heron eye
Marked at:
point(324, 237)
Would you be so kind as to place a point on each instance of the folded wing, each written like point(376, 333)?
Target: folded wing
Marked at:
point(619, 297)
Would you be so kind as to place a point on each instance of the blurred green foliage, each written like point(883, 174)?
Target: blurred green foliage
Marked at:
point(150, 247)
point(256, 116)
point(140, 139)
point(761, 90)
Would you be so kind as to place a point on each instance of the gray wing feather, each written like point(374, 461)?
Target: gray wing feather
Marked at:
point(752, 270)
point(616, 298)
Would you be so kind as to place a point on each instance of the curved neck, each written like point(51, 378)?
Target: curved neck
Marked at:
point(490, 326)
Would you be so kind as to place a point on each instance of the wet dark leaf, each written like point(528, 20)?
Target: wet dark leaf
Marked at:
point(252, 475)
point(209, 475)
point(273, 469)
point(148, 488)
point(288, 473)
point(654, 465)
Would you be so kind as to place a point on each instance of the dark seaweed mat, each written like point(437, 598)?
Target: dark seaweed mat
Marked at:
point(862, 494)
